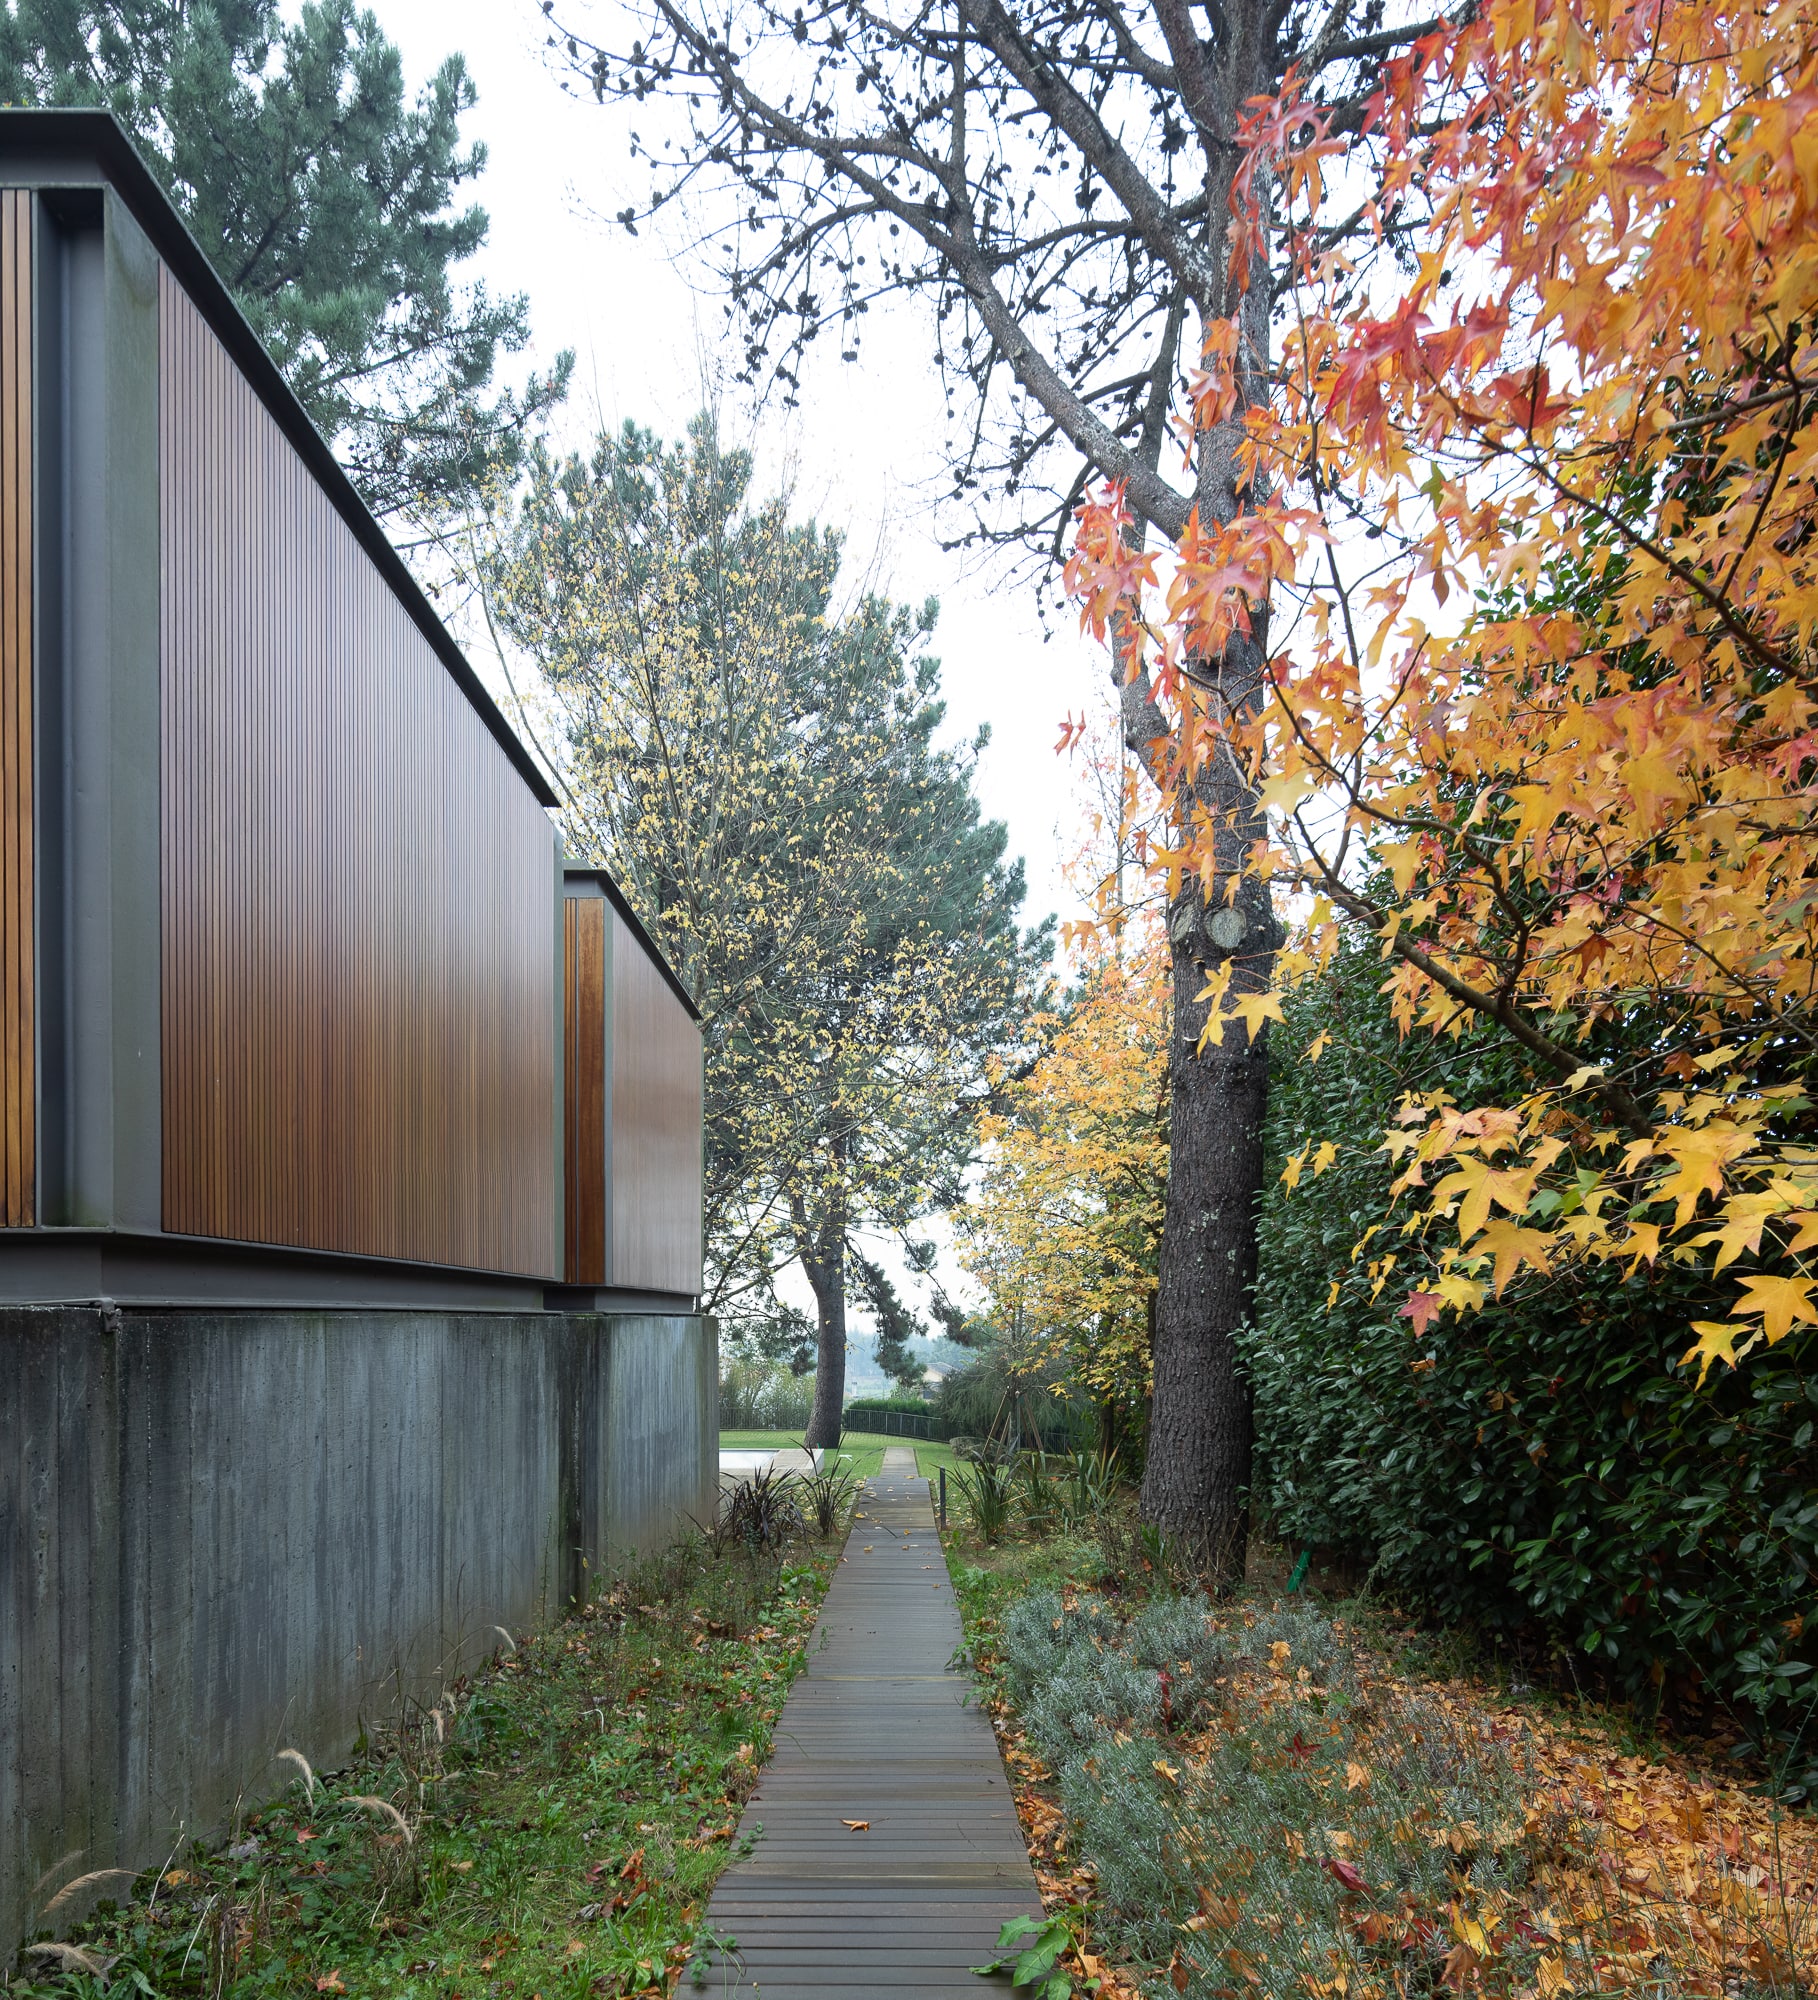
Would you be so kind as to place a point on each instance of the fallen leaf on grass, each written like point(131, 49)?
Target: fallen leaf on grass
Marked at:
point(1461, 1964)
point(332, 1983)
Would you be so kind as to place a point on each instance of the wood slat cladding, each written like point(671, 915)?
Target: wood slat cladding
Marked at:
point(18, 1019)
point(358, 1026)
point(656, 1126)
point(584, 1087)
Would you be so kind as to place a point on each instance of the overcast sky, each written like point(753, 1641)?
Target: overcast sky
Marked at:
point(863, 451)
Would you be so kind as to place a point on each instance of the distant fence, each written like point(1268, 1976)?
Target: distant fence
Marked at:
point(878, 1420)
point(895, 1424)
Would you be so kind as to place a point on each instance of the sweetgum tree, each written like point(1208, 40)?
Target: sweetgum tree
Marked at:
point(1052, 182)
point(1590, 419)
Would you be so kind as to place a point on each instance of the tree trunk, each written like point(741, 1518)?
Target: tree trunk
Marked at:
point(1196, 1483)
point(825, 1264)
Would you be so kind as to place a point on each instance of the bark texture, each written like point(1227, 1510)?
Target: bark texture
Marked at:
point(824, 1260)
point(1197, 1480)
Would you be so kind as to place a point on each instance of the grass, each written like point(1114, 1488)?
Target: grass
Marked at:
point(860, 1452)
point(548, 1831)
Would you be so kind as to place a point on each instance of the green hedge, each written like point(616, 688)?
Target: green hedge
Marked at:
point(1545, 1469)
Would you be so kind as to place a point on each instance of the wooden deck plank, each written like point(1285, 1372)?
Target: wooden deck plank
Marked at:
point(876, 1728)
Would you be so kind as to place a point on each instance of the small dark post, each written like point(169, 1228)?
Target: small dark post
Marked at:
point(943, 1496)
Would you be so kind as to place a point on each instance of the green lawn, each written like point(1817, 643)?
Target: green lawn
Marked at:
point(861, 1453)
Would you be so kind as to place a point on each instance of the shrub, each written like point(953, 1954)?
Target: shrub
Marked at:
point(1268, 1815)
point(987, 1488)
point(1546, 1470)
point(912, 1405)
point(762, 1395)
point(762, 1511)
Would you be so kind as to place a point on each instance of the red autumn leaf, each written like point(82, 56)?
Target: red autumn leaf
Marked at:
point(1422, 1308)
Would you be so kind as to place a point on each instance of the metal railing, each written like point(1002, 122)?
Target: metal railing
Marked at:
point(894, 1423)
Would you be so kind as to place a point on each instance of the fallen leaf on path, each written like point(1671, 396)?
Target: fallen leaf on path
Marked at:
point(857, 1825)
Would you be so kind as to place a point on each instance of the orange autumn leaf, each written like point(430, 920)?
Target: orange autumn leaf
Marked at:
point(1535, 524)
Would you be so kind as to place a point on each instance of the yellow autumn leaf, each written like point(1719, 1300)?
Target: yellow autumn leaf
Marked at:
point(1402, 859)
point(1744, 1217)
point(1253, 1009)
point(1474, 1184)
point(1512, 1246)
point(1780, 1302)
point(1699, 1155)
point(1716, 1342)
point(1284, 790)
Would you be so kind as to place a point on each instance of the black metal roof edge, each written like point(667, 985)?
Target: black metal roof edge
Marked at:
point(616, 897)
point(97, 136)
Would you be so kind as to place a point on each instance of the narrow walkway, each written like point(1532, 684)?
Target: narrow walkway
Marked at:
point(875, 1730)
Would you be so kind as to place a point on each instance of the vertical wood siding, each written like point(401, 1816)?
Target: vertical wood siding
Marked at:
point(656, 1127)
point(18, 1023)
point(584, 1085)
point(358, 1032)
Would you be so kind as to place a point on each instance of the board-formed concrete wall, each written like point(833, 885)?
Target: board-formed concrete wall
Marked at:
point(224, 1534)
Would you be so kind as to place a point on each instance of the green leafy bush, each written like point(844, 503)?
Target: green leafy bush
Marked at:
point(759, 1393)
point(1545, 1469)
point(911, 1405)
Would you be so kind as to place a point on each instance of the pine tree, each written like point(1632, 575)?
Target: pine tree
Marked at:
point(761, 771)
point(327, 205)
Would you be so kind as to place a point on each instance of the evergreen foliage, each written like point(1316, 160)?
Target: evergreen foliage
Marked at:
point(327, 204)
point(1547, 1469)
point(897, 1326)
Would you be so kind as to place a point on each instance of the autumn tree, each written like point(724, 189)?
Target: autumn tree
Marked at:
point(328, 204)
point(760, 770)
point(1544, 727)
point(1052, 182)
point(1064, 1228)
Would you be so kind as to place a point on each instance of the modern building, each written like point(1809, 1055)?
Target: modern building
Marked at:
point(350, 1144)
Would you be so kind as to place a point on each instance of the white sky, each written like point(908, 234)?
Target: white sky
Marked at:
point(863, 452)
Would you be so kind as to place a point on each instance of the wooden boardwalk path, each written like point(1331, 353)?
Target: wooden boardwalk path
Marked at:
point(875, 1729)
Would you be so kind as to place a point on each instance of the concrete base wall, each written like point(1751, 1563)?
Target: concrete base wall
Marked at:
point(224, 1534)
